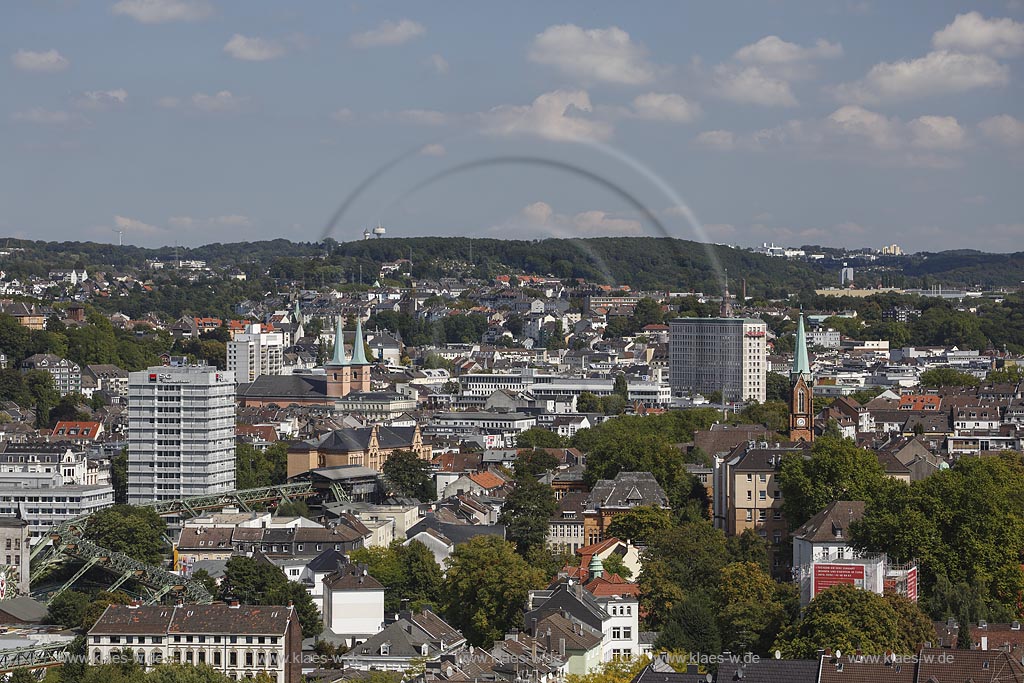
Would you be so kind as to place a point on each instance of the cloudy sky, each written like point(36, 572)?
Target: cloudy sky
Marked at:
point(838, 122)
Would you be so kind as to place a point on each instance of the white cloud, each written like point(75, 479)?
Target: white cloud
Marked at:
point(343, 115)
point(253, 49)
point(388, 33)
point(540, 217)
point(859, 122)
point(160, 11)
point(44, 116)
point(223, 101)
point(47, 61)
point(190, 223)
point(135, 226)
point(101, 99)
point(937, 73)
point(665, 107)
point(972, 32)
point(853, 133)
point(168, 102)
point(752, 85)
point(433, 150)
point(439, 64)
point(607, 55)
point(552, 116)
point(717, 139)
point(1004, 129)
point(937, 132)
point(774, 50)
point(425, 117)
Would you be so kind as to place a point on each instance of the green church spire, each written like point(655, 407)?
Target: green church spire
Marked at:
point(358, 348)
point(339, 345)
point(801, 365)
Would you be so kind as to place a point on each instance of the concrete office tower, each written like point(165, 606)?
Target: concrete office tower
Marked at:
point(181, 433)
point(718, 354)
point(254, 353)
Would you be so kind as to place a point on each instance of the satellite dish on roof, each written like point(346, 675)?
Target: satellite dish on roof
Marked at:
point(778, 654)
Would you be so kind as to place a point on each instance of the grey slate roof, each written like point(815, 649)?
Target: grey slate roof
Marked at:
point(284, 387)
point(822, 527)
point(770, 671)
point(456, 533)
point(628, 489)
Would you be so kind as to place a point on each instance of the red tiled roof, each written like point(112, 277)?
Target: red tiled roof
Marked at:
point(66, 429)
point(606, 585)
point(488, 480)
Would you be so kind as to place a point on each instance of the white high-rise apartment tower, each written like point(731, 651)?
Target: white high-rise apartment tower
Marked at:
point(181, 433)
point(254, 353)
point(718, 354)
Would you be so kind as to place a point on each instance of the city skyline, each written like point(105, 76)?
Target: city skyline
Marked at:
point(836, 123)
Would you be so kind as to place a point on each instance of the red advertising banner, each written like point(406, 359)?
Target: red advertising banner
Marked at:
point(912, 583)
point(827, 575)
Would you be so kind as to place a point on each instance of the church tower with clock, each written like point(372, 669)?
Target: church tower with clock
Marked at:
point(801, 409)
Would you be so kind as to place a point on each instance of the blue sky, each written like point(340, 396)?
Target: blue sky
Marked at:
point(838, 122)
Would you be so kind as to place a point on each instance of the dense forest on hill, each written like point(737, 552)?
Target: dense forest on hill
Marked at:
point(643, 262)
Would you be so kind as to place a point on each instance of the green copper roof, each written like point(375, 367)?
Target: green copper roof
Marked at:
point(596, 567)
point(358, 348)
point(339, 345)
point(801, 366)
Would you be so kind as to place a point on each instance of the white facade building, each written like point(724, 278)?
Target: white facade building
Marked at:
point(353, 604)
point(254, 353)
point(43, 500)
point(181, 433)
point(719, 354)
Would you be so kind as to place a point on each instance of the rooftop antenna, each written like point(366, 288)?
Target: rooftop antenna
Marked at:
point(120, 236)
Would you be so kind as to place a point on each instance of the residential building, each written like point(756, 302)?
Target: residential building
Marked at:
point(76, 431)
point(238, 641)
point(826, 535)
point(747, 495)
point(353, 604)
point(611, 497)
point(181, 433)
point(420, 637)
point(14, 542)
point(726, 355)
point(615, 616)
point(67, 375)
point(65, 458)
point(565, 528)
point(254, 353)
